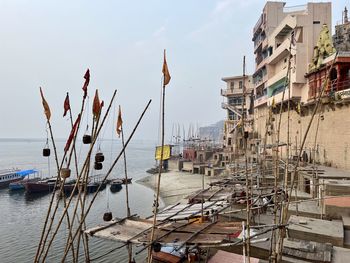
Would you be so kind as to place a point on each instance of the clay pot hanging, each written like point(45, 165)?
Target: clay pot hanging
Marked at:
point(46, 152)
point(98, 166)
point(65, 173)
point(99, 157)
point(107, 216)
point(156, 247)
point(87, 139)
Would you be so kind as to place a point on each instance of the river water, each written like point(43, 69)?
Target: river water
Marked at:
point(22, 215)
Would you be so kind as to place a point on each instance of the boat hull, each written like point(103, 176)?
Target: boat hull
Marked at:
point(6, 183)
point(37, 187)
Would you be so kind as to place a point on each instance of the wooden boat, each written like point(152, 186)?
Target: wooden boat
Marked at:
point(42, 186)
point(124, 181)
point(8, 176)
point(19, 185)
point(116, 185)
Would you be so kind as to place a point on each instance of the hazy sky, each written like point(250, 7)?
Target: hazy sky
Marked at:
point(52, 43)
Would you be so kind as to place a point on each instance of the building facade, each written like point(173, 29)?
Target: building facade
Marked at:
point(234, 97)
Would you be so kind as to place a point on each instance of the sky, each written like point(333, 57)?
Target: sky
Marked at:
point(52, 43)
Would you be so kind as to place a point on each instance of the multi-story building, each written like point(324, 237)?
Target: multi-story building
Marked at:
point(234, 97)
point(284, 40)
point(341, 38)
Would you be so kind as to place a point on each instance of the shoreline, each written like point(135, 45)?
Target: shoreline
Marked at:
point(175, 186)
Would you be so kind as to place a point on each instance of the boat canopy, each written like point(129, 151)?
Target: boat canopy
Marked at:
point(24, 173)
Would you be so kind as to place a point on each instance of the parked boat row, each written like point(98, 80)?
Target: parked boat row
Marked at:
point(29, 180)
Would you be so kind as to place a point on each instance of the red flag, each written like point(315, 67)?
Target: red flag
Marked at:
point(86, 83)
point(96, 107)
point(66, 105)
point(71, 135)
point(119, 122)
point(45, 105)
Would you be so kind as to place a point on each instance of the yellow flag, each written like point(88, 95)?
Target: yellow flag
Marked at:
point(165, 71)
point(273, 104)
point(166, 152)
point(119, 122)
point(298, 108)
point(45, 105)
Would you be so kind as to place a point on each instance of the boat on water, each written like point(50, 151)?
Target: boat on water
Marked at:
point(116, 185)
point(8, 176)
point(123, 180)
point(19, 185)
point(41, 186)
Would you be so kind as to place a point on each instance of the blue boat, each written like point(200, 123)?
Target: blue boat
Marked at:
point(19, 184)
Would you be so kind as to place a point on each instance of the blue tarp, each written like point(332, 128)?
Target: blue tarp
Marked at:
point(26, 172)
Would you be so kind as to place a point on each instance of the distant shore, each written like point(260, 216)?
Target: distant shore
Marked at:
point(175, 186)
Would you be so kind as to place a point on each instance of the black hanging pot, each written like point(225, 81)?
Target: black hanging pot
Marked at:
point(98, 166)
point(46, 152)
point(99, 157)
point(156, 247)
point(87, 139)
point(107, 216)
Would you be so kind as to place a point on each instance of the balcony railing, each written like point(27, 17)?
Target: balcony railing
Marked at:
point(335, 89)
point(260, 100)
point(228, 92)
point(258, 23)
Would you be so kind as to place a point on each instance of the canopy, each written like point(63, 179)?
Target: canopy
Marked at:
point(24, 173)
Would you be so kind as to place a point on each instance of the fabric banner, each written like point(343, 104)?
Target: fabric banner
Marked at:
point(166, 152)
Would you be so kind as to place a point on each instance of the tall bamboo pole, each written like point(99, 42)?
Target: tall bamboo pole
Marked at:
point(156, 204)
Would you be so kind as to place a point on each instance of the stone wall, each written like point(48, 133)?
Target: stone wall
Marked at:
point(333, 136)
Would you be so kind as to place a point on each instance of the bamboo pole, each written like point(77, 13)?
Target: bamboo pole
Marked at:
point(128, 213)
point(246, 164)
point(81, 173)
point(156, 204)
point(106, 176)
point(37, 257)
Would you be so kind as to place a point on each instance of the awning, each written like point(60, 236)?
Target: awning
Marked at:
point(24, 173)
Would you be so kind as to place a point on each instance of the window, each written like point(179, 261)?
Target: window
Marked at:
point(232, 84)
point(316, 22)
point(240, 84)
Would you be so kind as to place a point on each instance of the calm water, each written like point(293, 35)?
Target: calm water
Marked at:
point(22, 216)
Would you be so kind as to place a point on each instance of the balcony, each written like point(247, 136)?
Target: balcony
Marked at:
point(280, 52)
point(258, 24)
point(260, 100)
point(230, 92)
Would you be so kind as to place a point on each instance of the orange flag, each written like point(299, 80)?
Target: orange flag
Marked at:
point(96, 107)
point(86, 83)
point(165, 71)
point(45, 105)
point(66, 105)
point(119, 122)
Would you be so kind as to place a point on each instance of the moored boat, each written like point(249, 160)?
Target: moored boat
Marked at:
point(19, 185)
point(42, 186)
point(116, 185)
point(124, 181)
point(8, 176)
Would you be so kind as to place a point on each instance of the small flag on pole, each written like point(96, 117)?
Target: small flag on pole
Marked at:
point(273, 104)
point(66, 105)
point(71, 135)
point(45, 105)
point(96, 107)
point(119, 122)
point(165, 71)
point(86, 83)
